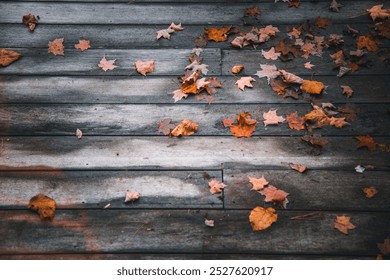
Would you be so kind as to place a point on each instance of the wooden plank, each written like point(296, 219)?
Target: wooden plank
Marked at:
point(202, 13)
point(187, 256)
point(181, 153)
point(96, 189)
point(144, 36)
point(173, 1)
point(167, 62)
point(324, 65)
point(64, 119)
point(125, 231)
point(314, 190)
point(153, 90)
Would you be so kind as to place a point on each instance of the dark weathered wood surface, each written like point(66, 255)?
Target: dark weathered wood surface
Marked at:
point(96, 189)
point(97, 119)
point(154, 90)
point(76, 231)
point(189, 152)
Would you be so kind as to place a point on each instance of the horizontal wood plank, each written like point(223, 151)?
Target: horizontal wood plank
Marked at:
point(125, 231)
point(26, 120)
point(167, 62)
point(181, 153)
point(205, 13)
point(144, 36)
point(313, 190)
point(96, 189)
point(153, 90)
point(324, 65)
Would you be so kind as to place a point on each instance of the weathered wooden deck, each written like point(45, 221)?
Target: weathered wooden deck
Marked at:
point(44, 98)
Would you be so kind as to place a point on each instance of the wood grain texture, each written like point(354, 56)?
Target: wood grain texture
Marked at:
point(202, 13)
point(189, 152)
point(167, 62)
point(100, 231)
point(153, 90)
point(314, 190)
point(27, 120)
point(96, 189)
point(324, 65)
point(144, 36)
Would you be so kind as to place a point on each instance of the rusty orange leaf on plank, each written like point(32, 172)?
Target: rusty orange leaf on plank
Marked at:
point(44, 205)
point(322, 22)
point(298, 167)
point(185, 128)
point(295, 122)
point(258, 183)
point(107, 64)
point(312, 87)
point(347, 90)
point(343, 224)
point(83, 45)
point(237, 69)
point(366, 141)
point(176, 27)
point(270, 118)
point(215, 186)
point(308, 65)
point(8, 56)
point(131, 196)
point(165, 126)
point(275, 195)
point(227, 122)
point(370, 191)
point(294, 3)
point(144, 67)
point(30, 21)
point(56, 46)
point(245, 125)
point(253, 11)
point(290, 78)
point(315, 140)
point(377, 11)
point(262, 218)
point(367, 42)
point(279, 86)
point(217, 34)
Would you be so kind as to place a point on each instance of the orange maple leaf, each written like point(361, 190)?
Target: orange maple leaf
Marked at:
point(56, 46)
point(215, 186)
point(343, 224)
point(245, 82)
point(245, 125)
point(237, 69)
point(312, 87)
point(107, 64)
point(254, 11)
point(144, 67)
point(347, 90)
point(298, 167)
point(367, 42)
point(8, 56)
point(295, 122)
point(83, 45)
point(366, 141)
point(165, 126)
point(185, 128)
point(275, 195)
point(217, 34)
point(322, 22)
point(279, 86)
point(258, 183)
point(270, 118)
point(44, 205)
point(315, 140)
point(370, 191)
point(262, 218)
point(377, 12)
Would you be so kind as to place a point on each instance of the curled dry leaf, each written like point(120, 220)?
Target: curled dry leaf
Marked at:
point(262, 218)
point(258, 183)
point(165, 126)
point(131, 196)
point(295, 122)
point(217, 34)
point(298, 167)
point(366, 141)
point(370, 191)
point(270, 118)
point(271, 54)
point(312, 87)
point(209, 223)
point(237, 69)
point(83, 45)
point(44, 205)
point(107, 64)
point(164, 33)
point(279, 86)
point(290, 78)
point(176, 27)
point(367, 42)
point(179, 95)
point(245, 82)
point(274, 195)
point(144, 67)
point(245, 125)
point(8, 56)
point(343, 224)
point(377, 11)
point(347, 90)
point(215, 186)
point(185, 128)
point(315, 140)
point(56, 46)
point(30, 21)
point(79, 133)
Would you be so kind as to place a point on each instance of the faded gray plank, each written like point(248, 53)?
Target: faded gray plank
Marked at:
point(324, 65)
point(96, 189)
point(63, 13)
point(167, 62)
point(172, 1)
point(314, 190)
point(189, 152)
point(27, 120)
point(144, 36)
point(124, 231)
point(153, 90)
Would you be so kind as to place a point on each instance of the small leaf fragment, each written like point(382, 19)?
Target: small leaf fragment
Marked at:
point(44, 205)
point(56, 46)
point(185, 128)
point(209, 223)
point(83, 45)
point(79, 133)
point(216, 186)
point(144, 67)
point(343, 224)
point(131, 196)
point(370, 191)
